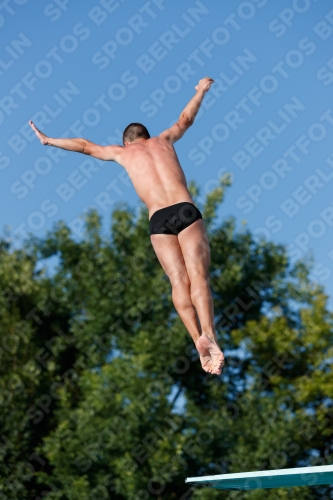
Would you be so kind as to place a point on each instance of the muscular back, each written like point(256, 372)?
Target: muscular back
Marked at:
point(155, 172)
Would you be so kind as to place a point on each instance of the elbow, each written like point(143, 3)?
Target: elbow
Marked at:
point(85, 148)
point(187, 120)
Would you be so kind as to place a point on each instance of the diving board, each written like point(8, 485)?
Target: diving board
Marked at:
point(281, 478)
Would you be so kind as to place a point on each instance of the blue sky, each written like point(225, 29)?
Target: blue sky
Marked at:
point(89, 68)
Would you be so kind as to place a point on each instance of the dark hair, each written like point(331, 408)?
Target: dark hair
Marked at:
point(133, 131)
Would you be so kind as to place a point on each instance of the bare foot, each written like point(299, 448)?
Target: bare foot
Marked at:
point(211, 356)
point(205, 359)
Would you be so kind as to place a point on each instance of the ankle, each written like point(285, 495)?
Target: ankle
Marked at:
point(210, 335)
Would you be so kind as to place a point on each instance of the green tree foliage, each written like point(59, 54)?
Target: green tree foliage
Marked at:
point(102, 392)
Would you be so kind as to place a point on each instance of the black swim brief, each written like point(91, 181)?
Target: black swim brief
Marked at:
point(173, 219)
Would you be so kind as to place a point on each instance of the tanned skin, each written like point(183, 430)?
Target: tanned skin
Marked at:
point(154, 169)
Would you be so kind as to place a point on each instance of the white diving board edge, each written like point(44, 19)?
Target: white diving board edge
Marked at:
point(281, 478)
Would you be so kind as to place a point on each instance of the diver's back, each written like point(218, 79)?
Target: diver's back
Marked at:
point(155, 172)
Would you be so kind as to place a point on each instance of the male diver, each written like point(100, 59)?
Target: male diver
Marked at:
point(177, 231)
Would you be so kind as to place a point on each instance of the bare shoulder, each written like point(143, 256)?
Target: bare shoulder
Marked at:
point(177, 130)
point(113, 153)
point(162, 140)
point(107, 153)
point(115, 150)
point(162, 144)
